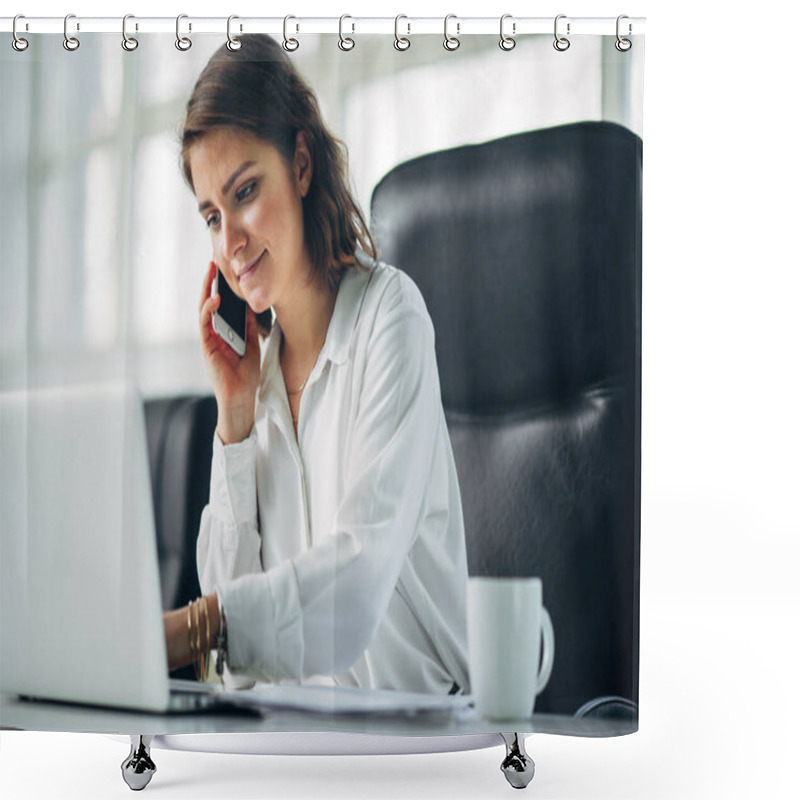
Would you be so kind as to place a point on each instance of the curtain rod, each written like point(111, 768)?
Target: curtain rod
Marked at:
point(349, 25)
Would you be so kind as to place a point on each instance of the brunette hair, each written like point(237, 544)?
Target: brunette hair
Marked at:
point(258, 90)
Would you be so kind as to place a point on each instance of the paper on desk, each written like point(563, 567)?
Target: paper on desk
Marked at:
point(346, 700)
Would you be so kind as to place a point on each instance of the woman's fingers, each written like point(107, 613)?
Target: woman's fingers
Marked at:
point(208, 280)
point(209, 303)
point(207, 309)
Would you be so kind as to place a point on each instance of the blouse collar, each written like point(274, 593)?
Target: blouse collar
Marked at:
point(346, 311)
point(341, 329)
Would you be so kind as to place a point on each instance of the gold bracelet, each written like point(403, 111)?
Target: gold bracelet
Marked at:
point(197, 623)
point(197, 651)
point(206, 657)
point(200, 655)
point(208, 626)
point(191, 640)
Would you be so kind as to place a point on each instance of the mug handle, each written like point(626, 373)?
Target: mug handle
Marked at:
point(549, 644)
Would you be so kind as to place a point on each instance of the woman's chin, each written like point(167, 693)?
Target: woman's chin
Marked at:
point(258, 302)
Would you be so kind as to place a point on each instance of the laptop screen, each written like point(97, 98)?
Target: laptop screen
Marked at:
point(81, 606)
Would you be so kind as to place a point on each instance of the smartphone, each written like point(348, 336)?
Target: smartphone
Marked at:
point(230, 319)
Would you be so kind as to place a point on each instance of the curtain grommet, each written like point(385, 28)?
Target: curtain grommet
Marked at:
point(622, 44)
point(233, 44)
point(401, 43)
point(183, 43)
point(346, 43)
point(290, 44)
point(561, 43)
point(129, 44)
point(507, 43)
point(18, 43)
point(451, 43)
point(70, 43)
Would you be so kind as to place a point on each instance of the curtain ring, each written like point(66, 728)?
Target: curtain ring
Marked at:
point(18, 43)
point(70, 42)
point(451, 42)
point(401, 42)
point(507, 42)
point(345, 42)
point(233, 44)
point(289, 44)
point(623, 45)
point(561, 43)
point(128, 42)
point(183, 43)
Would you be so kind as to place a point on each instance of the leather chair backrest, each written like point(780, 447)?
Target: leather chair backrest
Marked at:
point(527, 250)
point(180, 434)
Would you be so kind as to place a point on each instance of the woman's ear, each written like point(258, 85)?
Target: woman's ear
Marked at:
point(302, 163)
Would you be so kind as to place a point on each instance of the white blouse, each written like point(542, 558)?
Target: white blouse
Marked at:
point(341, 554)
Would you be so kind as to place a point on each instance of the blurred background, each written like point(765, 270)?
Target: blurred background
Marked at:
point(102, 248)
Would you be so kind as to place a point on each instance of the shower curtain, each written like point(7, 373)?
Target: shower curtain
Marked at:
point(501, 176)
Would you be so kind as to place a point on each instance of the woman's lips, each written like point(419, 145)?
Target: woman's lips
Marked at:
point(250, 271)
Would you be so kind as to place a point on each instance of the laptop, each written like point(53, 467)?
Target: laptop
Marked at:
point(80, 599)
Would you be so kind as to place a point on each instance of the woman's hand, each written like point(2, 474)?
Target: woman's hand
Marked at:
point(234, 378)
point(176, 632)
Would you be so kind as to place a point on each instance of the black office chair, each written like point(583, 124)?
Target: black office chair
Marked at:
point(527, 251)
point(180, 434)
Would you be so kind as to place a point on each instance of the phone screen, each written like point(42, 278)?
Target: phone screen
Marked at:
point(231, 308)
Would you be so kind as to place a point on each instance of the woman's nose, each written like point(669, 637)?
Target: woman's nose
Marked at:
point(233, 238)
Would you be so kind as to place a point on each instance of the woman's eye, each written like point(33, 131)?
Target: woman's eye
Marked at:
point(246, 191)
point(212, 220)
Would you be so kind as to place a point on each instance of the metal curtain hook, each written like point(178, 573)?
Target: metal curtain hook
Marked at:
point(401, 42)
point(70, 42)
point(182, 42)
point(451, 42)
point(561, 43)
point(289, 44)
point(623, 45)
point(345, 42)
point(128, 42)
point(507, 42)
point(233, 44)
point(18, 43)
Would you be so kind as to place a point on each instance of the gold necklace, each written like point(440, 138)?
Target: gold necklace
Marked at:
point(293, 392)
point(301, 387)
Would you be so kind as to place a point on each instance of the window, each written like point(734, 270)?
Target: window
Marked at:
point(103, 250)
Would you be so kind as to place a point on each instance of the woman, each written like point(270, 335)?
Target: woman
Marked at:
point(332, 547)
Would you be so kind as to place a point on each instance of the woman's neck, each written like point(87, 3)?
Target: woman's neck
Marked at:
point(304, 321)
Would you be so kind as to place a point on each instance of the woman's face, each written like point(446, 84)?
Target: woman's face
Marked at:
point(252, 203)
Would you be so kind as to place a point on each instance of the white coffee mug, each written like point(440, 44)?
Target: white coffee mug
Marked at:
point(506, 626)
